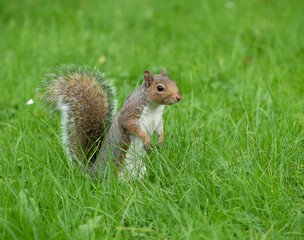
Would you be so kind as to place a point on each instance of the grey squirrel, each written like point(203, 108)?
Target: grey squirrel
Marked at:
point(91, 131)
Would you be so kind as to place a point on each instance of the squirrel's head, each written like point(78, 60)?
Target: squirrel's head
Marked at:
point(162, 89)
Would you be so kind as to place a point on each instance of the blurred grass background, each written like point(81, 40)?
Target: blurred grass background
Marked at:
point(232, 163)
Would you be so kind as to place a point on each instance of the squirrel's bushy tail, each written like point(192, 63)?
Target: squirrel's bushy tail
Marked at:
point(86, 99)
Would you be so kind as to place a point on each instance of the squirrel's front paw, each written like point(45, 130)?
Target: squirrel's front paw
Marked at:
point(148, 146)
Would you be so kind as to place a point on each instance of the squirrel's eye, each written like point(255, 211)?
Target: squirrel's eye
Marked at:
point(160, 88)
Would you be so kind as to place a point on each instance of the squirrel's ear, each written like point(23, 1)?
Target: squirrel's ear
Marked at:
point(164, 71)
point(148, 78)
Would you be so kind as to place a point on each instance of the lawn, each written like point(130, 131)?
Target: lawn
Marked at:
point(232, 164)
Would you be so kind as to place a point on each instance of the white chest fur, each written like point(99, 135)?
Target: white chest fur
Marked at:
point(150, 119)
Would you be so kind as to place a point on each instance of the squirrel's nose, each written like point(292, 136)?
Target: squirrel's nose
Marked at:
point(179, 97)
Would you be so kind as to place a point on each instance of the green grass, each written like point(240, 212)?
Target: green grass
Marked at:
point(232, 165)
